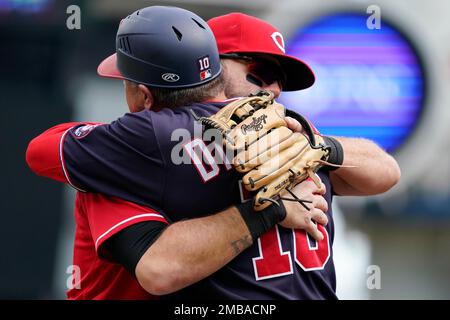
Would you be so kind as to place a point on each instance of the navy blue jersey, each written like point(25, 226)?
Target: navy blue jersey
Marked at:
point(162, 160)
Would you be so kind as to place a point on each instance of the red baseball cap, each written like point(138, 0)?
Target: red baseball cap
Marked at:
point(241, 33)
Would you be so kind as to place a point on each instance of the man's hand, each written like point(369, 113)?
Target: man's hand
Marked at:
point(294, 125)
point(297, 217)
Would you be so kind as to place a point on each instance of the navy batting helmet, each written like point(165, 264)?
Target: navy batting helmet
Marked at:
point(165, 47)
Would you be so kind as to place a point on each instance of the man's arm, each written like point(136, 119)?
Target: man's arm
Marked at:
point(101, 157)
point(188, 251)
point(375, 170)
point(43, 153)
point(168, 258)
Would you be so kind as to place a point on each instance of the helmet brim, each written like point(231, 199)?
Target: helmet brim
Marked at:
point(108, 68)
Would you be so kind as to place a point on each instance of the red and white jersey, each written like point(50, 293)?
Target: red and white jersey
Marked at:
point(97, 219)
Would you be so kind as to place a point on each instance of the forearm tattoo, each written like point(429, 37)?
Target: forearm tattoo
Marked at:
point(241, 244)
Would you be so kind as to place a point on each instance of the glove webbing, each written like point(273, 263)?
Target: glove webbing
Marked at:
point(312, 176)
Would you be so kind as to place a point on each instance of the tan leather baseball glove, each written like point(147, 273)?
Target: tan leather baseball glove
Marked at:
point(272, 156)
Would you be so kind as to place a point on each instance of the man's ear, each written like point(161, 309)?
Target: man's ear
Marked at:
point(147, 96)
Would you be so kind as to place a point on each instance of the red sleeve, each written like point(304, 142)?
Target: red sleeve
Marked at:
point(43, 152)
point(108, 215)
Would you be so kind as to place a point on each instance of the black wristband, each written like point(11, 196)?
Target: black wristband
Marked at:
point(336, 152)
point(258, 222)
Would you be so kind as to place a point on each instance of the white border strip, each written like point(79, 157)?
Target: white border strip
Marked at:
point(125, 221)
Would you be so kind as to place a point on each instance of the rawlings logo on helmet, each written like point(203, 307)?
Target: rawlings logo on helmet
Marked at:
point(170, 77)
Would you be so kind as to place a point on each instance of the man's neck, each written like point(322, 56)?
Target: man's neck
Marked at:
point(218, 98)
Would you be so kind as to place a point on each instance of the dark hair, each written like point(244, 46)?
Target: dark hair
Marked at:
point(172, 98)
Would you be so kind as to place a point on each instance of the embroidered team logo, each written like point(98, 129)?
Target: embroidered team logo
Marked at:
point(83, 131)
point(278, 40)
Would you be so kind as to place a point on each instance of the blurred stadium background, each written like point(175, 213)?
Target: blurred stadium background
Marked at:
point(390, 84)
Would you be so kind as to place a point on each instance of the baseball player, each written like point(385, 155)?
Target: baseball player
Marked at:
point(271, 262)
point(129, 160)
point(253, 56)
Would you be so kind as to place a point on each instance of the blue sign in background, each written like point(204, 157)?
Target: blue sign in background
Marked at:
point(369, 83)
